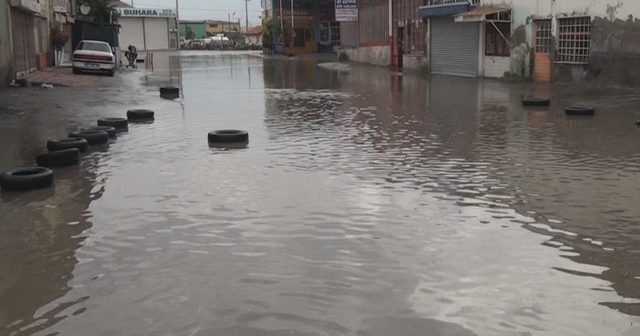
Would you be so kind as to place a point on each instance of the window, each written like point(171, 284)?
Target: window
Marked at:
point(574, 40)
point(94, 46)
point(496, 35)
point(330, 32)
point(213, 25)
point(543, 36)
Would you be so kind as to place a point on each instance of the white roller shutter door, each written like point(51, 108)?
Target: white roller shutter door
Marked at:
point(454, 47)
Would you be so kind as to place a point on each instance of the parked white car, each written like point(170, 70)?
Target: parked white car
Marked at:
point(94, 56)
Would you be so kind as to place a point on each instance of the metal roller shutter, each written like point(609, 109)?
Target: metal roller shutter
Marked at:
point(157, 33)
point(454, 47)
point(24, 48)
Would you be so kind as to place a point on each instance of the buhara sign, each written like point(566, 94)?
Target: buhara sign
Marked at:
point(346, 10)
point(145, 12)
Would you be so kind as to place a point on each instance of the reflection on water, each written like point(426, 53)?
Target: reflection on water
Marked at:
point(368, 203)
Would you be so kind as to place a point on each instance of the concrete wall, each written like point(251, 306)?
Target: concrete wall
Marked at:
point(495, 67)
point(615, 36)
point(380, 55)
point(413, 62)
point(6, 54)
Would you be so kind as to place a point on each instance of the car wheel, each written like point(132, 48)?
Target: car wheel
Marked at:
point(110, 73)
point(77, 71)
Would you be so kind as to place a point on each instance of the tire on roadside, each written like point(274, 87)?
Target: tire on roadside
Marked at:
point(140, 115)
point(228, 136)
point(93, 137)
point(24, 179)
point(117, 123)
point(61, 158)
point(169, 92)
point(580, 110)
point(535, 101)
point(113, 133)
point(80, 144)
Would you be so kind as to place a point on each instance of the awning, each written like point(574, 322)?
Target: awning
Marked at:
point(448, 9)
point(480, 14)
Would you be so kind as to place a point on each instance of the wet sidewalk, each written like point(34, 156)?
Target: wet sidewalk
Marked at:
point(65, 77)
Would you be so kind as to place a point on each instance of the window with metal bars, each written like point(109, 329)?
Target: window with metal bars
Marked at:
point(543, 36)
point(574, 40)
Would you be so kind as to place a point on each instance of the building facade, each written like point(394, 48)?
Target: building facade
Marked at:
point(215, 27)
point(309, 27)
point(30, 42)
point(199, 29)
point(546, 40)
point(369, 39)
point(6, 48)
point(148, 28)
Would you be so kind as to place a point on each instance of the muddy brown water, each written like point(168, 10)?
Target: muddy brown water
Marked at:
point(366, 203)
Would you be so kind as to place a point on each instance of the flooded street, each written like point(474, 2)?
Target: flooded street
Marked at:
point(367, 203)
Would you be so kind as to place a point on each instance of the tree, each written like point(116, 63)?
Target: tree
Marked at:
point(188, 33)
point(100, 11)
point(270, 29)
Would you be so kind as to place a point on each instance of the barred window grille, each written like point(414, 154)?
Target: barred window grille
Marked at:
point(543, 36)
point(574, 40)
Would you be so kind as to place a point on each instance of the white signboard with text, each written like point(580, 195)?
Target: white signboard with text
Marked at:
point(347, 10)
point(145, 12)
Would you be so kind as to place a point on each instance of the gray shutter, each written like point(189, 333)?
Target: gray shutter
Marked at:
point(454, 47)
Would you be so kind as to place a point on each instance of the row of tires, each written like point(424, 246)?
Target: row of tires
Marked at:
point(574, 110)
point(66, 152)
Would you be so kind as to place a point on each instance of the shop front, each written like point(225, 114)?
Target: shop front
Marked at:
point(298, 32)
point(30, 36)
point(148, 28)
point(310, 27)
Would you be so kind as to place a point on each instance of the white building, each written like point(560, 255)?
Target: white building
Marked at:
point(544, 39)
point(148, 28)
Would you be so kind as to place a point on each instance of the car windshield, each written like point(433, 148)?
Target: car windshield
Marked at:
point(95, 46)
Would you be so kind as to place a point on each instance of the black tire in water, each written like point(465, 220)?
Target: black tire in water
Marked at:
point(228, 136)
point(80, 144)
point(580, 110)
point(117, 123)
point(140, 115)
point(169, 90)
point(92, 137)
point(61, 158)
point(23, 179)
point(533, 101)
point(113, 133)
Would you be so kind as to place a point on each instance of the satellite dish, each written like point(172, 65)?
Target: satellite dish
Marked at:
point(85, 9)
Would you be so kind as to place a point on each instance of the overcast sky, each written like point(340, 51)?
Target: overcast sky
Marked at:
point(207, 9)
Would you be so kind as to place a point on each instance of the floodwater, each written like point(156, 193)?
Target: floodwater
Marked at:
point(367, 203)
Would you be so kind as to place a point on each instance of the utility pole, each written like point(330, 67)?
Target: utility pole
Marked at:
point(246, 14)
point(177, 23)
point(293, 32)
point(281, 24)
